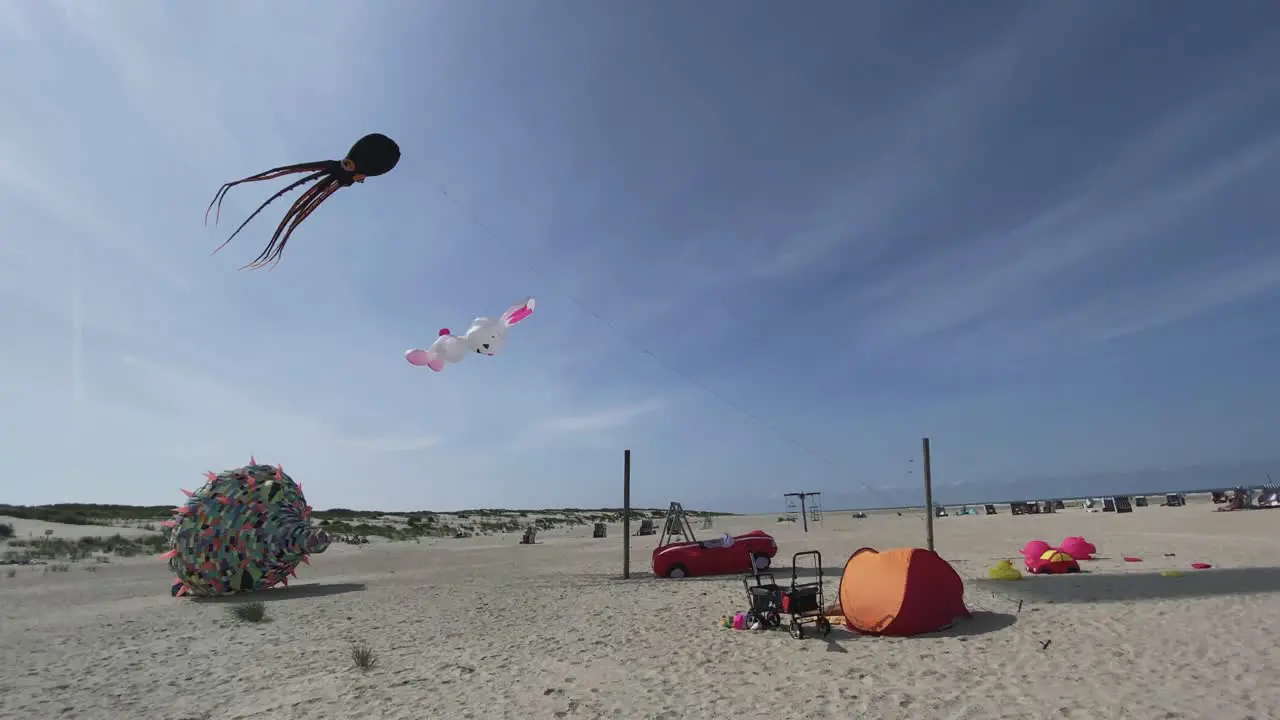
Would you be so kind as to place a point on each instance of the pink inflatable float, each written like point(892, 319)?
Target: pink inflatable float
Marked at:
point(1078, 548)
point(1034, 549)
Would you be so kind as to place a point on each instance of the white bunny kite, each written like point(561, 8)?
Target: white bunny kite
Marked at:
point(485, 337)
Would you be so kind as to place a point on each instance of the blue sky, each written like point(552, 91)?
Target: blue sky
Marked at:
point(772, 244)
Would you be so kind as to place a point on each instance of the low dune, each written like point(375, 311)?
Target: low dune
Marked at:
point(32, 529)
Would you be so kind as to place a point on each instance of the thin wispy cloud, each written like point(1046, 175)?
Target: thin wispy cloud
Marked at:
point(607, 419)
point(955, 224)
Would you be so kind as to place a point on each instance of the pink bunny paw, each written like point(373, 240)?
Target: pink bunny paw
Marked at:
point(435, 362)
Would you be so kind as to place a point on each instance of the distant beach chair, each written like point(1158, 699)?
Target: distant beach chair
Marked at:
point(1121, 504)
point(707, 523)
point(1140, 501)
point(859, 515)
point(646, 528)
point(1269, 497)
point(939, 511)
point(989, 509)
point(1047, 507)
point(1017, 508)
point(1219, 497)
point(1239, 500)
point(599, 530)
point(1108, 504)
point(1059, 505)
point(1173, 500)
point(530, 536)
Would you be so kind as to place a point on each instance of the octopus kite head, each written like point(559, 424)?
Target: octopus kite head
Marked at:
point(371, 156)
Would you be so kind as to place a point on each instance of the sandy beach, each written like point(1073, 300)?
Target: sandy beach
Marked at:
point(484, 628)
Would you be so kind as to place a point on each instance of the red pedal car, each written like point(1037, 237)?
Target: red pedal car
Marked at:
point(715, 557)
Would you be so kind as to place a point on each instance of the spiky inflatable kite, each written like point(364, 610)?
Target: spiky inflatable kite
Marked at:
point(245, 530)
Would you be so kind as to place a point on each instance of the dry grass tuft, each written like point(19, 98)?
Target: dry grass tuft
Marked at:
point(253, 612)
point(363, 656)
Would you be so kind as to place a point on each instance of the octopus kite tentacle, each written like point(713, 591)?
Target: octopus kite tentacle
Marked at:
point(286, 190)
point(298, 212)
point(372, 155)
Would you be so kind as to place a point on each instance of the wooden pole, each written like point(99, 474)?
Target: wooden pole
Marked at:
point(626, 515)
point(928, 493)
point(804, 514)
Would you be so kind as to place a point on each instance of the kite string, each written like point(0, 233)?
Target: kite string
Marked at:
point(803, 447)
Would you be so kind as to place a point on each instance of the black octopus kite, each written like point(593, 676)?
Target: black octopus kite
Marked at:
point(372, 155)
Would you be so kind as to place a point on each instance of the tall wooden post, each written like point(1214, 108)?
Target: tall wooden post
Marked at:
point(626, 515)
point(804, 513)
point(928, 493)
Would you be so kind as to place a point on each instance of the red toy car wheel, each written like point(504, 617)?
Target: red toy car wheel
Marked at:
point(677, 571)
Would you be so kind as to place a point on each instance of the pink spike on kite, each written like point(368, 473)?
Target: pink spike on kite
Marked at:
point(169, 523)
point(183, 510)
point(167, 555)
point(211, 475)
point(252, 461)
point(285, 582)
point(306, 559)
point(279, 471)
point(293, 573)
point(187, 492)
point(299, 487)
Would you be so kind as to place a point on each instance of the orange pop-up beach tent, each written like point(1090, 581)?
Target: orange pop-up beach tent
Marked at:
point(905, 591)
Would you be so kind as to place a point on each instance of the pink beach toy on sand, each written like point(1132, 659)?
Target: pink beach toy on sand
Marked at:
point(1078, 548)
point(1034, 549)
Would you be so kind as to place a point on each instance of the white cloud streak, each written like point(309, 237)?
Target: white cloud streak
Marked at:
point(606, 419)
point(1124, 207)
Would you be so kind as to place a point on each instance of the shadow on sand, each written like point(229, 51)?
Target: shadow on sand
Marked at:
point(981, 623)
point(1127, 587)
point(293, 592)
point(807, 574)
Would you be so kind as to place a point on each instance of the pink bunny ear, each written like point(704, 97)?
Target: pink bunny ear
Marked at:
point(418, 356)
point(518, 312)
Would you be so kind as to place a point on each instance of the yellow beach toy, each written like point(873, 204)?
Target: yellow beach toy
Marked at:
point(1004, 570)
point(1171, 573)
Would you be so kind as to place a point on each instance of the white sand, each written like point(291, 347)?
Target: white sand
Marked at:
point(484, 628)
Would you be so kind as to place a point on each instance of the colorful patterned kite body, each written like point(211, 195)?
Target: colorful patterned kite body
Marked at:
point(245, 530)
